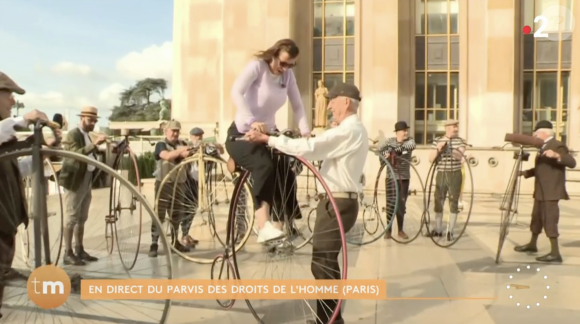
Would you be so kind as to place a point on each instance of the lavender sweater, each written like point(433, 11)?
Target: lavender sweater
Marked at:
point(258, 94)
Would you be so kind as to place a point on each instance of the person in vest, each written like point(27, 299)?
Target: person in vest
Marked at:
point(13, 211)
point(77, 180)
point(168, 154)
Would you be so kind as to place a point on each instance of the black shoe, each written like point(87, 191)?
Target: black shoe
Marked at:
point(83, 255)
point(450, 237)
point(180, 247)
point(153, 250)
point(12, 274)
point(435, 234)
point(550, 258)
point(526, 248)
point(72, 259)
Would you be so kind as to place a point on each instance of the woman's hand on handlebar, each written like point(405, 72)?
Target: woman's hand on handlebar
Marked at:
point(256, 137)
point(259, 126)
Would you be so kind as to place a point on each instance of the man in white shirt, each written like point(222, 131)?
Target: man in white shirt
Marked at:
point(12, 199)
point(344, 150)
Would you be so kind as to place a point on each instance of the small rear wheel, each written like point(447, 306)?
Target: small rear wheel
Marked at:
point(222, 269)
point(109, 237)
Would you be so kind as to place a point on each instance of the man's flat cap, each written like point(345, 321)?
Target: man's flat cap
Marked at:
point(196, 131)
point(8, 84)
point(344, 90)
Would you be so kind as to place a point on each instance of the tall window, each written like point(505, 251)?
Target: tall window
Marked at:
point(333, 38)
point(547, 62)
point(436, 67)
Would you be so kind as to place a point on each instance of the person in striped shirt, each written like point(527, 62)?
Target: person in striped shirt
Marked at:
point(449, 152)
point(403, 146)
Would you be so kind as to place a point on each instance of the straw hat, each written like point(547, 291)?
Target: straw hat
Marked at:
point(89, 111)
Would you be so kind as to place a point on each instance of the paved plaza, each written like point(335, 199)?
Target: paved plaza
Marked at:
point(425, 283)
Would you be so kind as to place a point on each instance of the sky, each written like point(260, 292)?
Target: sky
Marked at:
point(68, 54)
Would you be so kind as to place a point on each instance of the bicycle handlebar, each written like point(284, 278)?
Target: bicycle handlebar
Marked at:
point(287, 132)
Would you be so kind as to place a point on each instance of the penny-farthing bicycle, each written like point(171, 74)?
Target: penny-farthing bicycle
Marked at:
point(123, 206)
point(411, 211)
point(384, 201)
point(198, 188)
point(509, 203)
point(284, 258)
point(443, 184)
point(55, 215)
point(16, 307)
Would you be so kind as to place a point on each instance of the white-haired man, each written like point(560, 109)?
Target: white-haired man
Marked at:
point(344, 150)
point(549, 174)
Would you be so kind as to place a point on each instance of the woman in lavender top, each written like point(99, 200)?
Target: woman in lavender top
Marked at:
point(258, 93)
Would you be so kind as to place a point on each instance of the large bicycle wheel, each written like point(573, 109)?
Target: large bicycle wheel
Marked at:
point(284, 258)
point(443, 184)
point(94, 195)
point(55, 216)
point(377, 208)
point(204, 213)
point(125, 214)
point(413, 207)
point(508, 207)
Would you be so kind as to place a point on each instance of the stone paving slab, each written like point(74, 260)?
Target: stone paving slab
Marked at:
point(425, 283)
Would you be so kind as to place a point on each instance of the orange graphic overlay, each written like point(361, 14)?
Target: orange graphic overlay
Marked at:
point(142, 289)
point(48, 287)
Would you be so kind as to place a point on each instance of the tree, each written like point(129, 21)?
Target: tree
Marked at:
point(17, 106)
point(140, 102)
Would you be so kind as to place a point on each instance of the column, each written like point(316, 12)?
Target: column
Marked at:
point(574, 104)
point(379, 64)
point(213, 42)
point(197, 52)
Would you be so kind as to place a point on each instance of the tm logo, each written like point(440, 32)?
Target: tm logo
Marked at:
point(48, 287)
point(53, 285)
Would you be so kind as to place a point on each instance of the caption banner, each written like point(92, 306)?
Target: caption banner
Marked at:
point(143, 289)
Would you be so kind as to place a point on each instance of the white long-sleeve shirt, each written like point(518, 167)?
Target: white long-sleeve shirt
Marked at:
point(344, 150)
point(7, 132)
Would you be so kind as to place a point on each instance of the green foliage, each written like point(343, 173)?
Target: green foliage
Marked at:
point(136, 103)
point(145, 164)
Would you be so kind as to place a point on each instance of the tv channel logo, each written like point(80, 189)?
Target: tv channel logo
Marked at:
point(48, 287)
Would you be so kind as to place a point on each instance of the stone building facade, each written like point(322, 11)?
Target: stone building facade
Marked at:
point(422, 61)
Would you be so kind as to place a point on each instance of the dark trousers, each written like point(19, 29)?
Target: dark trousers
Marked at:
point(191, 203)
point(164, 204)
point(273, 180)
point(7, 246)
point(448, 182)
point(402, 205)
point(545, 215)
point(326, 246)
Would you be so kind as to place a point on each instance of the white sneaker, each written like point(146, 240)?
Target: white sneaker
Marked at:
point(269, 233)
point(460, 205)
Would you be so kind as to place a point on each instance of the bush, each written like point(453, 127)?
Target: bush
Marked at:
point(145, 164)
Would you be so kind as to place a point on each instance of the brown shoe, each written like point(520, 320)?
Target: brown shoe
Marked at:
point(403, 235)
point(388, 235)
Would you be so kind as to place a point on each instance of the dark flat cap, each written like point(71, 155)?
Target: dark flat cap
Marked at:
point(196, 131)
point(7, 84)
point(344, 90)
point(543, 124)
